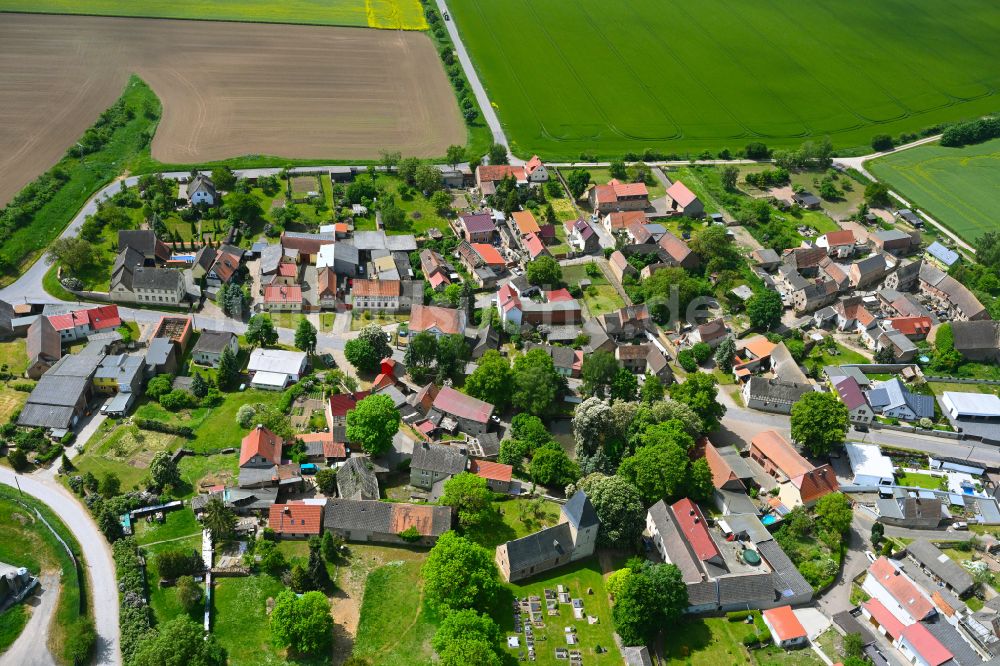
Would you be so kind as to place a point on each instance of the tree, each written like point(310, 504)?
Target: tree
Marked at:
point(531, 430)
point(619, 507)
point(854, 644)
point(223, 178)
point(468, 651)
point(303, 624)
point(724, 355)
point(730, 174)
point(219, 520)
point(261, 331)
point(228, 369)
point(702, 352)
point(881, 143)
point(389, 159)
point(372, 424)
point(459, 574)
point(330, 546)
point(877, 195)
point(316, 573)
point(163, 470)
point(536, 382)
point(492, 380)
point(470, 497)
point(455, 154)
point(648, 600)
point(544, 272)
point(466, 625)
point(698, 391)
point(699, 482)
point(378, 339)
point(497, 154)
point(551, 467)
point(326, 481)
point(652, 389)
point(110, 486)
point(617, 169)
point(687, 360)
point(361, 355)
point(199, 387)
point(441, 202)
point(878, 533)
point(305, 336)
point(819, 422)
point(428, 179)
point(658, 471)
point(188, 593)
point(242, 207)
point(72, 252)
point(625, 385)
point(756, 151)
point(834, 513)
point(420, 354)
point(18, 459)
point(179, 641)
point(598, 372)
point(578, 181)
point(884, 355)
point(764, 309)
point(452, 354)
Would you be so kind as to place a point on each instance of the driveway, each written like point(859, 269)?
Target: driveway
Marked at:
point(28, 650)
point(813, 621)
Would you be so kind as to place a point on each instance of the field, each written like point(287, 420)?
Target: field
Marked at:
point(330, 93)
point(388, 14)
point(606, 78)
point(956, 186)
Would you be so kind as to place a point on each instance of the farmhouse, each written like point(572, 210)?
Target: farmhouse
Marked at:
point(951, 294)
point(201, 190)
point(573, 538)
point(162, 286)
point(582, 237)
point(682, 201)
point(43, 347)
point(282, 298)
point(893, 400)
point(296, 520)
point(468, 414)
point(376, 295)
point(145, 243)
point(535, 170)
point(622, 220)
point(437, 320)
point(208, 350)
point(785, 628)
point(837, 243)
point(903, 598)
point(773, 395)
point(618, 196)
point(488, 175)
point(520, 311)
point(356, 479)
point(675, 252)
point(799, 482)
point(371, 521)
point(476, 228)
point(977, 340)
point(432, 463)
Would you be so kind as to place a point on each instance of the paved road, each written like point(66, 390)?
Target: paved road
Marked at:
point(28, 650)
point(100, 566)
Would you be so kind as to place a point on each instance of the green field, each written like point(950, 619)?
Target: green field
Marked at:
point(678, 77)
point(389, 14)
point(957, 186)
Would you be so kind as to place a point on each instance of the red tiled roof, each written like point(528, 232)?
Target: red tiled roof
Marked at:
point(104, 317)
point(334, 450)
point(376, 288)
point(759, 346)
point(901, 588)
point(525, 222)
point(534, 245)
point(508, 298)
point(623, 219)
point(489, 254)
point(491, 470)
point(296, 518)
point(261, 442)
point(722, 473)
point(784, 624)
point(533, 164)
point(780, 452)
point(69, 320)
point(674, 246)
point(418, 516)
point(495, 172)
point(692, 524)
point(446, 320)
point(450, 401)
point(942, 605)
point(558, 296)
point(341, 403)
point(680, 193)
point(628, 189)
point(278, 293)
point(816, 483)
point(912, 325)
point(842, 237)
point(926, 645)
point(326, 282)
point(882, 615)
point(288, 270)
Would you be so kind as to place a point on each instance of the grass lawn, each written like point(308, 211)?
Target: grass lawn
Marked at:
point(710, 641)
point(12, 624)
point(602, 298)
point(940, 387)
point(957, 186)
point(11, 401)
point(13, 357)
point(390, 14)
point(692, 177)
point(517, 518)
point(163, 600)
point(841, 208)
point(843, 356)
point(821, 82)
point(577, 578)
point(831, 643)
point(124, 450)
point(919, 480)
point(359, 321)
point(420, 214)
point(600, 176)
point(577, 272)
point(773, 655)
point(22, 247)
point(180, 523)
point(25, 541)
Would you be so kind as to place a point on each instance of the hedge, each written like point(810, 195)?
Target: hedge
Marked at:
point(160, 426)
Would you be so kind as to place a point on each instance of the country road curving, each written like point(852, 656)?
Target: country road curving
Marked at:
point(100, 567)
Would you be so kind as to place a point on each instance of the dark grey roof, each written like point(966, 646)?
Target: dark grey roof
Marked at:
point(703, 592)
point(677, 547)
point(777, 390)
point(942, 566)
point(637, 656)
point(971, 335)
point(125, 264)
point(75, 365)
point(875, 264)
point(350, 514)
point(562, 357)
point(205, 257)
point(252, 476)
point(142, 240)
point(213, 342)
point(356, 479)
point(540, 547)
point(144, 277)
point(344, 251)
point(962, 653)
point(580, 512)
point(439, 458)
point(6, 314)
point(752, 589)
point(788, 581)
point(200, 182)
point(270, 258)
point(159, 350)
point(46, 416)
point(378, 240)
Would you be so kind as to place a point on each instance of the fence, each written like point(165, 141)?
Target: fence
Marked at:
point(913, 429)
point(961, 380)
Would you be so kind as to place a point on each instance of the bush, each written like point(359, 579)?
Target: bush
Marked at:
point(159, 426)
point(738, 616)
point(750, 639)
point(687, 360)
point(702, 352)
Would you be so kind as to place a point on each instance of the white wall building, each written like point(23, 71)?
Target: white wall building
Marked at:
point(870, 467)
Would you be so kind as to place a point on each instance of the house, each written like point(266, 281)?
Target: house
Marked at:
point(977, 340)
point(436, 270)
point(437, 320)
point(941, 567)
point(831, 270)
point(321, 447)
point(806, 200)
point(326, 288)
point(203, 261)
point(308, 245)
point(144, 243)
point(785, 628)
point(572, 539)
point(282, 298)
point(773, 395)
point(356, 479)
point(682, 201)
point(534, 246)
point(881, 620)
point(837, 243)
point(853, 314)
point(520, 311)
point(619, 221)
point(160, 286)
point(77, 324)
point(951, 294)
point(850, 393)
point(488, 175)
point(942, 255)
point(892, 399)
point(371, 521)
point(126, 261)
point(43, 346)
point(870, 466)
point(631, 357)
point(274, 369)
point(61, 396)
point(868, 271)
point(201, 190)
point(296, 520)
point(339, 404)
point(525, 222)
point(432, 463)
point(618, 196)
point(566, 361)
point(260, 461)
point(903, 598)
point(903, 350)
point(799, 481)
point(904, 510)
point(119, 373)
point(712, 333)
point(535, 170)
point(208, 350)
point(620, 267)
point(914, 328)
point(905, 275)
point(893, 241)
point(978, 407)
point(582, 237)
point(497, 475)
point(766, 258)
point(476, 227)
point(675, 252)
point(729, 470)
point(639, 233)
point(814, 295)
point(376, 295)
point(161, 357)
point(471, 416)
point(243, 501)
point(920, 647)
point(224, 266)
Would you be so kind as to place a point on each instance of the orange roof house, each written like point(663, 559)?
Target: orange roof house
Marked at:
point(260, 447)
point(489, 254)
point(295, 519)
point(497, 475)
point(525, 221)
point(799, 481)
point(785, 627)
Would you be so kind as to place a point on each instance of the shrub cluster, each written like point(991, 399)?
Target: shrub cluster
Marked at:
point(971, 132)
point(169, 428)
point(134, 616)
point(768, 177)
point(452, 67)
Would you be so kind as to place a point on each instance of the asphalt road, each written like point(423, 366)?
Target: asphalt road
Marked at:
point(27, 650)
point(100, 565)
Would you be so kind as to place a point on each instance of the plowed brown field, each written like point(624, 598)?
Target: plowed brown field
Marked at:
point(228, 89)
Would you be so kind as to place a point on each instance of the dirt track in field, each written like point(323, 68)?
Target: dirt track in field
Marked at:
point(228, 89)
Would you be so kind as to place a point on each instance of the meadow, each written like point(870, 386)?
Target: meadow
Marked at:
point(388, 14)
point(606, 78)
point(956, 186)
